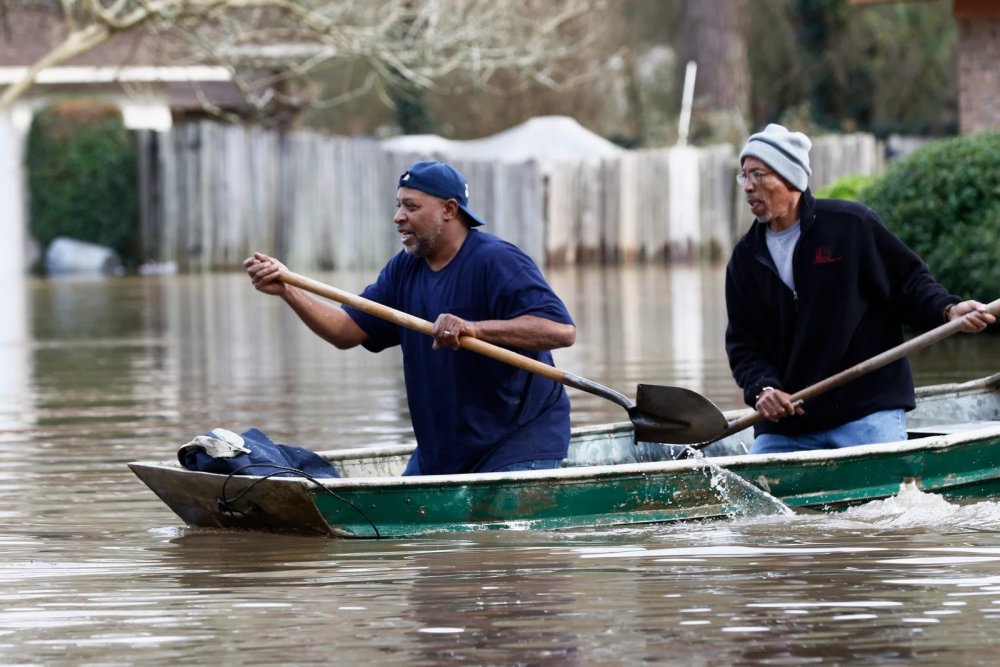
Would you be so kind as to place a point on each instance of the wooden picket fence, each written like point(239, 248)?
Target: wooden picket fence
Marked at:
point(213, 193)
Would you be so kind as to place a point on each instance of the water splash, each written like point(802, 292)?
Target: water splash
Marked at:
point(747, 499)
point(913, 508)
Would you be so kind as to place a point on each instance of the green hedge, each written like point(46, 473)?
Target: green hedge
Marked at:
point(943, 201)
point(848, 187)
point(81, 165)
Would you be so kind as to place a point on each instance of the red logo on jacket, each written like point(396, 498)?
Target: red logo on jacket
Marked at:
point(824, 255)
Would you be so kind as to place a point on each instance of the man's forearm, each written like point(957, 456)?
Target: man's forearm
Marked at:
point(325, 319)
point(528, 332)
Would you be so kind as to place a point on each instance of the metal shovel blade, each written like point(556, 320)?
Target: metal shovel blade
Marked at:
point(675, 416)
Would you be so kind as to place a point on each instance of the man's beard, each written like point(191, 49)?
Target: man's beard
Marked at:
point(766, 218)
point(427, 242)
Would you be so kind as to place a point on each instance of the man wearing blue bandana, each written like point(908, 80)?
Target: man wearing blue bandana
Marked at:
point(470, 413)
point(817, 286)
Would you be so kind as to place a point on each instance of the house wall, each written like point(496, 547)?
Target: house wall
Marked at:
point(15, 366)
point(13, 214)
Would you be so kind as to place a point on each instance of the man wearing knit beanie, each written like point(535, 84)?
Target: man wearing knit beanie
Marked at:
point(816, 286)
point(787, 153)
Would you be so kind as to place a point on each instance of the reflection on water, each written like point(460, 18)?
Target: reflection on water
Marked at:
point(785, 590)
point(94, 569)
point(646, 325)
point(15, 357)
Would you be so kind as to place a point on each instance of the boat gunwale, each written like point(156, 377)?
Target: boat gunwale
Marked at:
point(987, 384)
point(597, 472)
point(944, 440)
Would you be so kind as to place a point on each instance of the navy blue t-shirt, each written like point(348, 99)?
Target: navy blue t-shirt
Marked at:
point(471, 413)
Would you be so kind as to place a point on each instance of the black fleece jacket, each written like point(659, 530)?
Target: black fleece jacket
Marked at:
point(856, 285)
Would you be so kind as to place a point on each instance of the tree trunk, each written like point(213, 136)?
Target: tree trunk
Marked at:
point(714, 35)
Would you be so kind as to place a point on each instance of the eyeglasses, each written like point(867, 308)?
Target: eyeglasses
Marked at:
point(756, 177)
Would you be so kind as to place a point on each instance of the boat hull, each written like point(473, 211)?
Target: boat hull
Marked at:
point(957, 466)
point(607, 480)
point(398, 507)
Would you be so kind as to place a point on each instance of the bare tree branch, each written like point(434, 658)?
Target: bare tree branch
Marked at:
point(416, 43)
point(78, 42)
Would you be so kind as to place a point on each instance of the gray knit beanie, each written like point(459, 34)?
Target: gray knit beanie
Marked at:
point(785, 152)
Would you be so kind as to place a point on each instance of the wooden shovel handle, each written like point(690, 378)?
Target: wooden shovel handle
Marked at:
point(384, 312)
point(878, 361)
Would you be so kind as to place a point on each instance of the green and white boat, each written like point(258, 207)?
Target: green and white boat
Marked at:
point(607, 480)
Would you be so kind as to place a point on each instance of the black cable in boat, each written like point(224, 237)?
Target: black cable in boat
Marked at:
point(225, 503)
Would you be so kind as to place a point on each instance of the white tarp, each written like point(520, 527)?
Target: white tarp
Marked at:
point(545, 139)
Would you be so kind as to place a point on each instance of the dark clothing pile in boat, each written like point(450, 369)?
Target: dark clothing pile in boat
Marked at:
point(250, 453)
point(855, 282)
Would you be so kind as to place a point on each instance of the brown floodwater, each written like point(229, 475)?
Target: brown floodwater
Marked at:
point(94, 569)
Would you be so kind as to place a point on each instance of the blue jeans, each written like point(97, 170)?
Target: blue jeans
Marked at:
point(882, 426)
point(413, 466)
point(537, 464)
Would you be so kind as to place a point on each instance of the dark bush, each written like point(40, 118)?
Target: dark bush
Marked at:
point(943, 201)
point(82, 176)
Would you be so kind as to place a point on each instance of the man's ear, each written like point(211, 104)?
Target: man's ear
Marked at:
point(451, 210)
